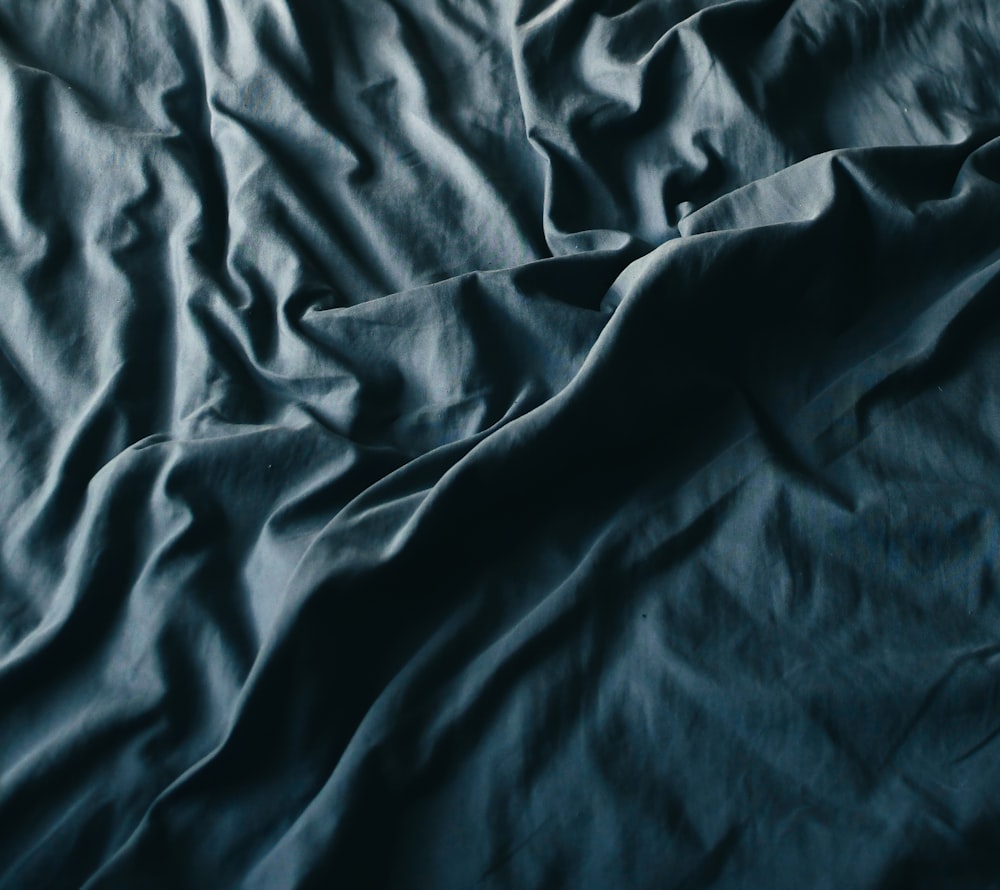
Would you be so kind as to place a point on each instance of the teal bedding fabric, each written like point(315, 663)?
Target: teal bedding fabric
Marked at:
point(471, 444)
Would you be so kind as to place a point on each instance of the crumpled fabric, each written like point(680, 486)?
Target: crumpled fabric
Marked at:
point(465, 444)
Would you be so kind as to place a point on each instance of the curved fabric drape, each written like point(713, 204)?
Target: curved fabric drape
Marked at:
point(463, 444)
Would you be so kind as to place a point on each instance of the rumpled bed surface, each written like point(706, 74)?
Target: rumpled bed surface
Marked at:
point(452, 444)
